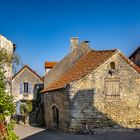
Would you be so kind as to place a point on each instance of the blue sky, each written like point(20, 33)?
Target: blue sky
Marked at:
point(42, 28)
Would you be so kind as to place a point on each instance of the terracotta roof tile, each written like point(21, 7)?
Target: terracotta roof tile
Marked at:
point(50, 64)
point(85, 65)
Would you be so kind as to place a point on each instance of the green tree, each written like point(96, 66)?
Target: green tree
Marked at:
point(6, 100)
point(7, 107)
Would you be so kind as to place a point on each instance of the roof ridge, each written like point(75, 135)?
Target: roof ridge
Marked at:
point(26, 66)
point(104, 50)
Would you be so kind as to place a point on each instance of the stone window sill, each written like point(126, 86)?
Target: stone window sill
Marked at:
point(112, 97)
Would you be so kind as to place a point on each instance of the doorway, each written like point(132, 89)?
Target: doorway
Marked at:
point(55, 113)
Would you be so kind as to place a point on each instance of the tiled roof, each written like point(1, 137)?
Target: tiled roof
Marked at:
point(50, 64)
point(84, 66)
point(26, 66)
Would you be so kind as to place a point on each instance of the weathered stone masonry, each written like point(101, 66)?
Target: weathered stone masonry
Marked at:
point(84, 106)
point(92, 91)
point(60, 100)
point(123, 111)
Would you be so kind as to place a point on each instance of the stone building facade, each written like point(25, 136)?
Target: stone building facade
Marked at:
point(23, 84)
point(9, 47)
point(100, 90)
point(135, 56)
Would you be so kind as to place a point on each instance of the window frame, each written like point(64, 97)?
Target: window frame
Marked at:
point(26, 87)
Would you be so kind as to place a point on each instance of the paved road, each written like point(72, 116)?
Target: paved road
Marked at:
point(33, 133)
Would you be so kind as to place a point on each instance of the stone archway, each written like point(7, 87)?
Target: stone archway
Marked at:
point(55, 117)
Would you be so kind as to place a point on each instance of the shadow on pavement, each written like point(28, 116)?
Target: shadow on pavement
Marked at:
point(50, 135)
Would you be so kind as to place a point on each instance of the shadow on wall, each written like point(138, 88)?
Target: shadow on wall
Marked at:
point(91, 113)
point(36, 116)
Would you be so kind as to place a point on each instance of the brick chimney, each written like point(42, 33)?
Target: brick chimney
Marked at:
point(73, 43)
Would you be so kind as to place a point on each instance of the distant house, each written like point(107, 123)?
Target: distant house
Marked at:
point(135, 56)
point(92, 90)
point(24, 82)
point(49, 65)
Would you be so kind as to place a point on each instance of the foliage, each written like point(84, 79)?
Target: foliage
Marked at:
point(16, 61)
point(7, 107)
point(24, 108)
point(37, 101)
point(6, 101)
point(2, 130)
point(5, 58)
point(30, 105)
point(10, 133)
point(8, 59)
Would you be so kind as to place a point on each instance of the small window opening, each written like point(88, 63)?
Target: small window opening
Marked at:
point(112, 65)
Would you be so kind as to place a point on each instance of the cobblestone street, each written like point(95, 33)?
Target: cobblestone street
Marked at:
point(33, 133)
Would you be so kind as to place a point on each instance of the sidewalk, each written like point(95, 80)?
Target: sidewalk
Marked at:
point(24, 131)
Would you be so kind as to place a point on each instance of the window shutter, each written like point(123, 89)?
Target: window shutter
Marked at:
point(30, 87)
point(112, 89)
point(21, 88)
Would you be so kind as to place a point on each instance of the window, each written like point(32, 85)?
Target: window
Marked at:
point(112, 65)
point(26, 88)
point(112, 89)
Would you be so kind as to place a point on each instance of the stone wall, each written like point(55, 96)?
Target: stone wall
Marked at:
point(24, 76)
point(60, 100)
point(90, 106)
point(7, 45)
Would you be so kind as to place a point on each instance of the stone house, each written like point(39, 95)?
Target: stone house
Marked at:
point(9, 47)
point(24, 83)
point(92, 90)
point(135, 56)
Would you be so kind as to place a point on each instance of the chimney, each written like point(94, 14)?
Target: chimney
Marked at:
point(86, 42)
point(73, 43)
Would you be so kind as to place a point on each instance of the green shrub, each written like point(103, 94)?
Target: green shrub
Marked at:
point(24, 108)
point(7, 106)
point(10, 132)
point(30, 105)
